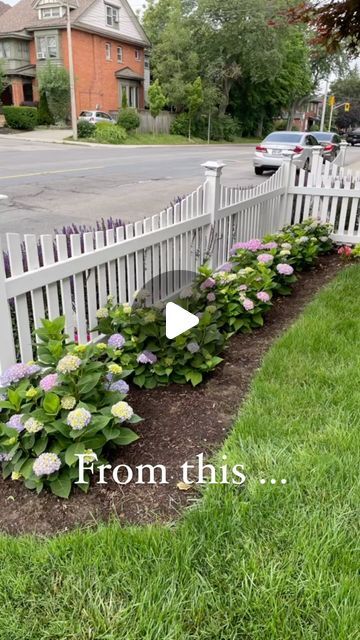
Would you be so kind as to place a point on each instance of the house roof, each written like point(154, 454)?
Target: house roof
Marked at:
point(22, 16)
point(3, 7)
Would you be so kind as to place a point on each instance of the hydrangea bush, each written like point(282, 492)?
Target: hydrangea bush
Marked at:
point(233, 298)
point(56, 409)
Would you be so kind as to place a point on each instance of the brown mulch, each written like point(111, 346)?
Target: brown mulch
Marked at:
point(180, 422)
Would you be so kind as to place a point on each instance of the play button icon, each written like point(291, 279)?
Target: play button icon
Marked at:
point(178, 320)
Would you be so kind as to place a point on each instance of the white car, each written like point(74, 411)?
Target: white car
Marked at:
point(96, 116)
point(269, 154)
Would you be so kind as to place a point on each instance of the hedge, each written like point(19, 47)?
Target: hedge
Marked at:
point(21, 117)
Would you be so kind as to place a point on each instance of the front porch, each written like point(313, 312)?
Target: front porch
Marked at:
point(20, 87)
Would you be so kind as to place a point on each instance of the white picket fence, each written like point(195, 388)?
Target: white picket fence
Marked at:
point(76, 280)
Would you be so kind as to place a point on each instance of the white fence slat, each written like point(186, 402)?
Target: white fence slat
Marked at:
point(130, 266)
point(21, 306)
point(163, 258)
point(123, 297)
point(91, 296)
point(110, 239)
point(81, 326)
point(37, 297)
point(100, 243)
point(65, 288)
point(156, 261)
point(7, 345)
point(147, 253)
point(52, 294)
point(139, 259)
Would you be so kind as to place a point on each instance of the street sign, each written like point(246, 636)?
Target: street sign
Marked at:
point(332, 101)
point(347, 106)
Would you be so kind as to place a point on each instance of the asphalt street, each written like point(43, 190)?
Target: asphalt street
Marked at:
point(50, 185)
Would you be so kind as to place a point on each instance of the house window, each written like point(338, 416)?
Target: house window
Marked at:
point(112, 16)
point(137, 54)
point(22, 49)
point(47, 47)
point(108, 51)
point(119, 54)
point(5, 50)
point(50, 12)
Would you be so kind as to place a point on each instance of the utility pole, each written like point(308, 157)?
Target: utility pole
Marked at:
point(71, 73)
point(324, 106)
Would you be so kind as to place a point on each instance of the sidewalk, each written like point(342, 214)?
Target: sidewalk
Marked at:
point(43, 135)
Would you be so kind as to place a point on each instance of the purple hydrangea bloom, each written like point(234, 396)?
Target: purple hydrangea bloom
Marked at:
point(248, 304)
point(120, 386)
point(284, 269)
point(15, 422)
point(209, 283)
point(193, 347)
point(211, 297)
point(116, 341)
point(18, 372)
point(147, 357)
point(265, 258)
point(227, 267)
point(46, 464)
point(251, 245)
point(263, 296)
point(49, 382)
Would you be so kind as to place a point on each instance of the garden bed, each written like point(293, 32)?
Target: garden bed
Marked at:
point(180, 422)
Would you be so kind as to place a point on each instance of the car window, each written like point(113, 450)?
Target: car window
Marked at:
point(323, 137)
point(283, 137)
point(309, 141)
point(86, 114)
point(337, 139)
point(105, 116)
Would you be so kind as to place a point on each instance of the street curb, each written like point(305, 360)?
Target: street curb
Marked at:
point(135, 146)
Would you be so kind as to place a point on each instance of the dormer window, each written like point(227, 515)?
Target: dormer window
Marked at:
point(49, 13)
point(112, 16)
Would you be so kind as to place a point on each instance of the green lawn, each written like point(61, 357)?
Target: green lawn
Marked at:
point(262, 563)
point(162, 138)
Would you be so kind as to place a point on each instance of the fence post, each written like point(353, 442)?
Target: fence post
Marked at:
point(288, 172)
point(340, 159)
point(316, 165)
point(7, 348)
point(212, 191)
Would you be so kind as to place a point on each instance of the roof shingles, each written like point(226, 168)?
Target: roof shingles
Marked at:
point(23, 16)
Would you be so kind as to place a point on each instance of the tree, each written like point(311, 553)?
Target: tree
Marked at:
point(45, 116)
point(335, 22)
point(157, 101)
point(54, 82)
point(194, 99)
point(3, 81)
point(347, 89)
point(175, 62)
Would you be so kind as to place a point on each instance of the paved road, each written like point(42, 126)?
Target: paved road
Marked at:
point(53, 185)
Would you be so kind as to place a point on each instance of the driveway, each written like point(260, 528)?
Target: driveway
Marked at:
point(52, 185)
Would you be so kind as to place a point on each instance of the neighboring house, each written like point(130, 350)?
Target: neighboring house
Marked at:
point(309, 114)
point(108, 48)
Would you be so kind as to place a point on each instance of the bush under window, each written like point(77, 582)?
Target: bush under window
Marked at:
point(129, 119)
point(21, 117)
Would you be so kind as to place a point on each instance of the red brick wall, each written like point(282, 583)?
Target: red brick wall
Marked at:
point(95, 80)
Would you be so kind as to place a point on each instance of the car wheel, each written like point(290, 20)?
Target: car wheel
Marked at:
point(353, 144)
point(307, 165)
point(259, 171)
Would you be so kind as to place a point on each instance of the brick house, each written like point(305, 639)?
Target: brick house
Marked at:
point(109, 48)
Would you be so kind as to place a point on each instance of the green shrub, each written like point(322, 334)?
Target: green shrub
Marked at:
point(129, 119)
point(110, 133)
point(279, 125)
point(21, 117)
point(69, 403)
point(86, 129)
point(45, 116)
point(180, 125)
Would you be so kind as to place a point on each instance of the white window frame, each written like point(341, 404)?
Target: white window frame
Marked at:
point(138, 54)
point(42, 46)
point(5, 50)
point(119, 54)
point(49, 13)
point(108, 51)
point(112, 16)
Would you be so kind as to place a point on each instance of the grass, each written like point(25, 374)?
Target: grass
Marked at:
point(259, 563)
point(162, 138)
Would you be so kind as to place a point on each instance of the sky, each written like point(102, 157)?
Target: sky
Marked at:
point(135, 4)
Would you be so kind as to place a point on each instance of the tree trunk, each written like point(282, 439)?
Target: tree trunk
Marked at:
point(228, 82)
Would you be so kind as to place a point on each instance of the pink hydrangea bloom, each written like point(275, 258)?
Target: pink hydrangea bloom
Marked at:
point(263, 296)
point(270, 245)
point(265, 258)
point(49, 382)
point(211, 297)
point(243, 287)
point(284, 269)
point(251, 245)
point(248, 304)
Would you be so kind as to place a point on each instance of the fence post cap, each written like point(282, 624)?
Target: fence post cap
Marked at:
point(343, 143)
point(213, 167)
point(288, 154)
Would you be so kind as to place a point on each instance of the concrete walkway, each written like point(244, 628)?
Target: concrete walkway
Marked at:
point(43, 135)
